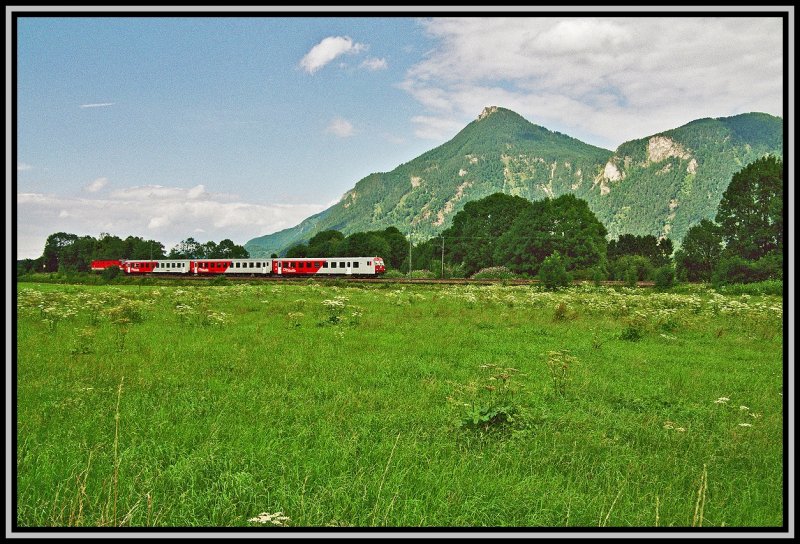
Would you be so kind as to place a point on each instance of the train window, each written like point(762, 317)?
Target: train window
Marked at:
point(333, 264)
point(325, 264)
point(341, 264)
point(355, 264)
point(369, 263)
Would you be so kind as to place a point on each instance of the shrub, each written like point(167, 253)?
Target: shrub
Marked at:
point(393, 274)
point(631, 277)
point(494, 273)
point(110, 273)
point(641, 266)
point(599, 274)
point(665, 278)
point(553, 274)
point(735, 269)
point(422, 274)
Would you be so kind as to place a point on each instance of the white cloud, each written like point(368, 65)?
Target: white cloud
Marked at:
point(435, 128)
point(99, 105)
point(96, 185)
point(340, 127)
point(327, 50)
point(21, 167)
point(604, 80)
point(374, 64)
point(165, 214)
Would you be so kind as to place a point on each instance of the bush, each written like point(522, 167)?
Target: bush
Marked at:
point(769, 287)
point(631, 277)
point(665, 278)
point(599, 274)
point(423, 275)
point(735, 269)
point(494, 273)
point(553, 274)
point(641, 266)
point(110, 273)
point(393, 274)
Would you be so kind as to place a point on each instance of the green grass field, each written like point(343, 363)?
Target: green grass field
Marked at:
point(392, 406)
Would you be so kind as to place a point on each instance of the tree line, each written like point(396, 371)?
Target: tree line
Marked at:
point(556, 239)
point(64, 252)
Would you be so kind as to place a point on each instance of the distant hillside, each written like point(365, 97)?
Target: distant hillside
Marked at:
point(661, 185)
point(668, 182)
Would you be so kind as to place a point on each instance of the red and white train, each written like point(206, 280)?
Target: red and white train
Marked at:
point(307, 266)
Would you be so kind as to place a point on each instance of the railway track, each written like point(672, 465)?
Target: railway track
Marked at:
point(417, 281)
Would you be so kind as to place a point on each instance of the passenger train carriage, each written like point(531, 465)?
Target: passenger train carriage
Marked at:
point(320, 266)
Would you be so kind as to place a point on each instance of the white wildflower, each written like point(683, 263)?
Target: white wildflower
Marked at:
point(264, 517)
point(745, 425)
point(743, 408)
point(722, 400)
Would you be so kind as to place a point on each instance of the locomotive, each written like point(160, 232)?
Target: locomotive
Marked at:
point(285, 267)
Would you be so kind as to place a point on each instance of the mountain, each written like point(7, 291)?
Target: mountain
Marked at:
point(662, 184)
point(666, 183)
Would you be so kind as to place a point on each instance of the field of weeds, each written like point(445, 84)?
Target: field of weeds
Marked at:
point(323, 405)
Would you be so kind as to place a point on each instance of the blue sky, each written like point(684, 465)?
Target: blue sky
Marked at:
point(234, 127)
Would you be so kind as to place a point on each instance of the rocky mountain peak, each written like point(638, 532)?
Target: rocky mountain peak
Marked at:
point(487, 111)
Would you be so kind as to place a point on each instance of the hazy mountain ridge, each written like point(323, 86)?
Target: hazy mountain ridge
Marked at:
point(661, 184)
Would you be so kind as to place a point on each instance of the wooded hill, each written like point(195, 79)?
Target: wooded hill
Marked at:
point(659, 185)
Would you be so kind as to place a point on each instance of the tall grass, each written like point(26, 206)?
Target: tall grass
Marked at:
point(324, 405)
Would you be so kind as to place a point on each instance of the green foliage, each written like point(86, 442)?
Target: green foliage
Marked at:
point(192, 249)
point(736, 269)
point(632, 268)
point(633, 332)
point(470, 239)
point(422, 275)
point(664, 277)
point(657, 251)
point(108, 274)
point(553, 274)
point(750, 214)
point(68, 252)
point(565, 224)
point(492, 402)
point(494, 273)
point(700, 252)
point(299, 251)
point(599, 274)
point(560, 364)
point(761, 288)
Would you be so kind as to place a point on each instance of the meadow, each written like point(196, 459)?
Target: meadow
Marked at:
point(330, 405)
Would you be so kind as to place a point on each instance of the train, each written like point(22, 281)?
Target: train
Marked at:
point(281, 267)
